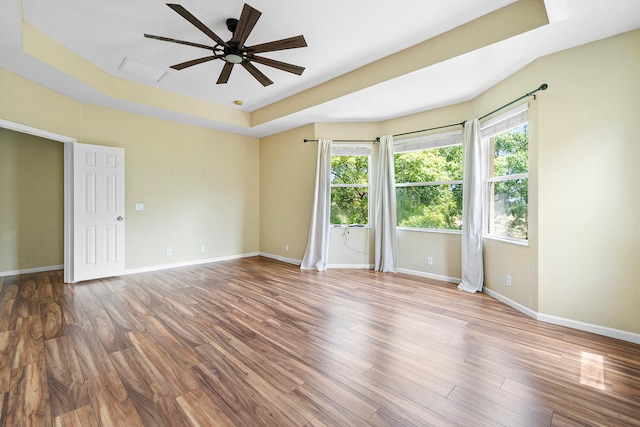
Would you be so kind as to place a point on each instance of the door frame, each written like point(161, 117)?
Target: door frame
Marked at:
point(68, 186)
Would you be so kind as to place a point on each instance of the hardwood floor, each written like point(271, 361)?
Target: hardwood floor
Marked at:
point(257, 342)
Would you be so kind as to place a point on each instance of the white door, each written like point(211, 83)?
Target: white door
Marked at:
point(98, 211)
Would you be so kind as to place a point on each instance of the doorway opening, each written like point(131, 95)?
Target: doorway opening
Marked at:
point(67, 185)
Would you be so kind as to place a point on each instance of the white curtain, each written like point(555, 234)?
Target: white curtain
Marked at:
point(384, 221)
point(473, 201)
point(317, 253)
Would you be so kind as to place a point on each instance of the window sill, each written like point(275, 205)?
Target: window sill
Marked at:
point(350, 227)
point(430, 230)
point(518, 242)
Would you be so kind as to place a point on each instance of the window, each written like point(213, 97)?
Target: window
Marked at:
point(508, 145)
point(428, 174)
point(350, 185)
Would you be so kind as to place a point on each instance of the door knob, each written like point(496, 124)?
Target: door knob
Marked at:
point(120, 218)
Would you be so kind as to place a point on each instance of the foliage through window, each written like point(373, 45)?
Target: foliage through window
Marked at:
point(508, 181)
point(429, 185)
point(350, 187)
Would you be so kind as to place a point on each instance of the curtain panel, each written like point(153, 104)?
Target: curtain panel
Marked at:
point(317, 252)
point(386, 248)
point(473, 206)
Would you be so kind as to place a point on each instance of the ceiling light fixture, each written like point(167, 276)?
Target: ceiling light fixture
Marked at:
point(233, 57)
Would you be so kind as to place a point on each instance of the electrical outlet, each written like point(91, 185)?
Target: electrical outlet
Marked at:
point(286, 248)
point(168, 252)
point(202, 248)
point(430, 261)
point(508, 281)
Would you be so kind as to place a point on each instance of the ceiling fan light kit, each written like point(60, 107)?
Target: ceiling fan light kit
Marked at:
point(234, 51)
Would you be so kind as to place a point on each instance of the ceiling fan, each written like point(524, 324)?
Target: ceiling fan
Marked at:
point(234, 51)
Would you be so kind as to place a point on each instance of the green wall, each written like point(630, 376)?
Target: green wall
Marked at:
point(31, 201)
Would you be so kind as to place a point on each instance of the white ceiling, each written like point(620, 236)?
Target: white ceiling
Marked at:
point(341, 36)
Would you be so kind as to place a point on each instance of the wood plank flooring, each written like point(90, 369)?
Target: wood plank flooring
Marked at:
point(256, 342)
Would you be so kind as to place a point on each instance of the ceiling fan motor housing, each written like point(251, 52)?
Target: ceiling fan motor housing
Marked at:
point(233, 53)
point(232, 24)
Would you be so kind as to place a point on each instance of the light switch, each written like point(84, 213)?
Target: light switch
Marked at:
point(139, 206)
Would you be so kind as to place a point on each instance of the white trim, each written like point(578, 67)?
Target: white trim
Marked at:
point(512, 241)
point(430, 230)
point(349, 185)
point(351, 149)
point(35, 131)
point(31, 270)
point(569, 323)
point(427, 184)
point(590, 327)
point(281, 258)
point(508, 120)
point(428, 142)
point(187, 263)
point(429, 275)
point(511, 303)
point(354, 266)
point(68, 213)
point(505, 178)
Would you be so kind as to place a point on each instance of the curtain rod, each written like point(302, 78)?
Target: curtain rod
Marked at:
point(543, 86)
point(346, 140)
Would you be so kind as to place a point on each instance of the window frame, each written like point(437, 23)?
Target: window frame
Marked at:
point(500, 124)
point(351, 150)
point(425, 143)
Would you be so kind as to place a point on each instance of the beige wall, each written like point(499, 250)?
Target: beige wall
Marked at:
point(199, 186)
point(31, 201)
point(589, 184)
point(286, 192)
point(415, 247)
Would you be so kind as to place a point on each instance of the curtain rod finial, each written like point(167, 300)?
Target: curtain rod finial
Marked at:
point(543, 86)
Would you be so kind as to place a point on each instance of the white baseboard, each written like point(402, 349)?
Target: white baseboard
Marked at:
point(329, 266)
point(570, 323)
point(511, 303)
point(280, 258)
point(589, 327)
point(429, 275)
point(187, 263)
point(354, 266)
point(31, 270)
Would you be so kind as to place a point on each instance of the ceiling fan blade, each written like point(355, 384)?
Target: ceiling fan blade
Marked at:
point(199, 25)
point(264, 80)
point(295, 69)
point(247, 21)
point(193, 62)
point(226, 72)
point(288, 43)
point(167, 39)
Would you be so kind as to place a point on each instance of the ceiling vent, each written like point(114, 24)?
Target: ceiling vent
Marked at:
point(143, 71)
